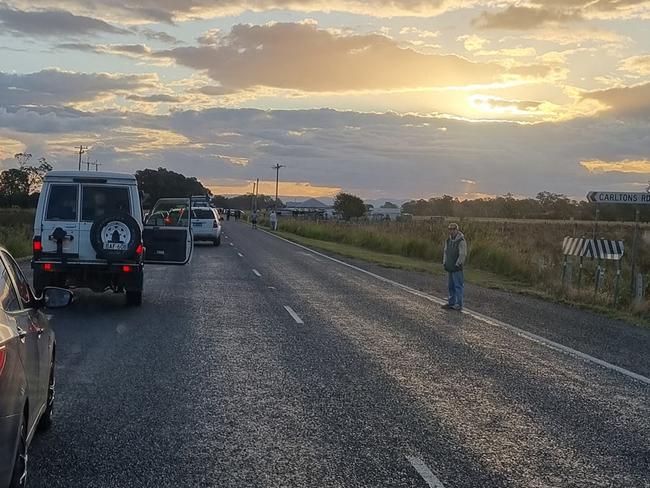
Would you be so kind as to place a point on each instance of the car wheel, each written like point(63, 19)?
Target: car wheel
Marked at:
point(48, 416)
point(134, 298)
point(217, 241)
point(19, 476)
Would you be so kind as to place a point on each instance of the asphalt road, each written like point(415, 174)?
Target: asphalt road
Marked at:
point(358, 383)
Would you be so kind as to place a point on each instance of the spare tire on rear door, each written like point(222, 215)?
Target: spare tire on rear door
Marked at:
point(115, 237)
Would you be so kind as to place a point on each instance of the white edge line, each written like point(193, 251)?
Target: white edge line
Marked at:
point(488, 320)
point(257, 273)
point(293, 314)
point(424, 471)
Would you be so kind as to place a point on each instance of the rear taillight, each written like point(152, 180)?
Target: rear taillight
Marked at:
point(48, 267)
point(37, 246)
point(139, 249)
point(126, 268)
point(3, 358)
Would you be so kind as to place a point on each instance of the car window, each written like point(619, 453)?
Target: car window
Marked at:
point(62, 203)
point(21, 283)
point(8, 298)
point(100, 201)
point(200, 213)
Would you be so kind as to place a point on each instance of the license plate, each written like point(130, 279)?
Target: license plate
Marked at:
point(115, 246)
point(197, 224)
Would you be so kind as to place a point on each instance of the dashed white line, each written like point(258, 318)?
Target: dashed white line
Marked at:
point(257, 273)
point(231, 244)
point(484, 318)
point(293, 314)
point(424, 471)
point(240, 255)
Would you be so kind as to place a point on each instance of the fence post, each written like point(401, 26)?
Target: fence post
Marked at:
point(635, 251)
point(639, 289)
point(580, 273)
point(617, 284)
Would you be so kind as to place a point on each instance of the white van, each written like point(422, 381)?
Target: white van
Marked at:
point(89, 233)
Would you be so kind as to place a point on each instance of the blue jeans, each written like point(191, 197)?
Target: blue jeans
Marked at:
point(456, 288)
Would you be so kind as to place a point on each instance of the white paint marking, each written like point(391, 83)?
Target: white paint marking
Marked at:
point(484, 318)
point(424, 471)
point(240, 255)
point(257, 273)
point(231, 244)
point(293, 314)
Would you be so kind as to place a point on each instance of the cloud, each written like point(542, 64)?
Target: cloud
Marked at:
point(52, 23)
point(638, 65)
point(9, 147)
point(622, 100)
point(157, 98)
point(154, 35)
point(514, 52)
point(129, 50)
point(640, 166)
point(58, 87)
point(267, 187)
point(387, 154)
point(523, 18)
point(473, 42)
point(171, 11)
point(303, 57)
point(496, 104)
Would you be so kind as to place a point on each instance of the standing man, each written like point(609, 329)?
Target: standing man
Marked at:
point(453, 259)
point(274, 220)
point(254, 219)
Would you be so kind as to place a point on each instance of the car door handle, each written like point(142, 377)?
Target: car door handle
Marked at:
point(21, 333)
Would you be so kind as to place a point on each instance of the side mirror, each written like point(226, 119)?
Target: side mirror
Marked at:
point(56, 297)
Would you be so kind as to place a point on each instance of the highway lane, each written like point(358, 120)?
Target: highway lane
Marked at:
point(262, 364)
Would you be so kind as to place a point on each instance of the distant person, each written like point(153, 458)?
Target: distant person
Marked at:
point(274, 220)
point(254, 219)
point(453, 260)
point(228, 214)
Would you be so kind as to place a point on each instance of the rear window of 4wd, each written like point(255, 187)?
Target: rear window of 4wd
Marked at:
point(198, 213)
point(62, 203)
point(101, 201)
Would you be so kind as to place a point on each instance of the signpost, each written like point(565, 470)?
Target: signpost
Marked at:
point(628, 198)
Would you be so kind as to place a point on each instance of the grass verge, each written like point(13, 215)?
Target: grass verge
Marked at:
point(476, 277)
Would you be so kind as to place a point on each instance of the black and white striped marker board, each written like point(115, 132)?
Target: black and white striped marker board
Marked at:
point(593, 248)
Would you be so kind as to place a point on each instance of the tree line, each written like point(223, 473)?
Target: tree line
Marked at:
point(546, 205)
point(20, 186)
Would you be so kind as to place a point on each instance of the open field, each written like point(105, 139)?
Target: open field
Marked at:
point(526, 253)
point(16, 230)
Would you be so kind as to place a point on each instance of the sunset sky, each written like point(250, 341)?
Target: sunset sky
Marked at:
point(387, 99)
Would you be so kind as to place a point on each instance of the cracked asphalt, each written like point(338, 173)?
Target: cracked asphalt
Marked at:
point(212, 383)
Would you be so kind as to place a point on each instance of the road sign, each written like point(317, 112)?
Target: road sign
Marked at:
point(633, 198)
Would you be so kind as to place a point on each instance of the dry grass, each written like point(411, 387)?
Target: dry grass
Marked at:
point(526, 252)
point(16, 227)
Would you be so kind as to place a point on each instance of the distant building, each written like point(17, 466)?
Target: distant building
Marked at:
point(384, 213)
point(310, 207)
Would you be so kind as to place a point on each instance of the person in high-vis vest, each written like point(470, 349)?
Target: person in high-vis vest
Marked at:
point(453, 260)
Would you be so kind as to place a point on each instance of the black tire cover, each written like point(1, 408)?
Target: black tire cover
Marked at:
point(113, 254)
